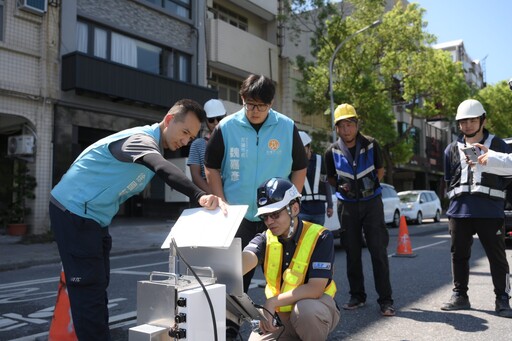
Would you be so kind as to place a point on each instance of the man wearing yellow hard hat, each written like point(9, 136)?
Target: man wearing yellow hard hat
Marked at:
point(355, 168)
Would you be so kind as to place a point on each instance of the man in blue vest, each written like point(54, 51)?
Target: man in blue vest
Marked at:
point(355, 167)
point(477, 201)
point(249, 147)
point(317, 191)
point(298, 263)
point(88, 196)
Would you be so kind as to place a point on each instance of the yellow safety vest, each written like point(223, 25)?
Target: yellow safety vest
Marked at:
point(296, 273)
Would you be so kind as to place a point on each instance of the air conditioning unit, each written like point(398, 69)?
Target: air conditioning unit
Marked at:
point(20, 145)
point(34, 6)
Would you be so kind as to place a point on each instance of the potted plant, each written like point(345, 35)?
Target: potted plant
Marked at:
point(22, 189)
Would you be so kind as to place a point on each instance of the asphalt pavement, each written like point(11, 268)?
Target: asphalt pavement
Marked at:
point(129, 235)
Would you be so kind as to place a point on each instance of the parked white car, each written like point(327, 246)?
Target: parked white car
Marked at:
point(420, 204)
point(392, 207)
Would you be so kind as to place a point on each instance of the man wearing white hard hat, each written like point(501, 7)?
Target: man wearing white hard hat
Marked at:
point(476, 207)
point(215, 112)
point(316, 191)
point(355, 168)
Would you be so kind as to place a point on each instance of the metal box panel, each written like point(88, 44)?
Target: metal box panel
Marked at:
point(156, 303)
point(199, 326)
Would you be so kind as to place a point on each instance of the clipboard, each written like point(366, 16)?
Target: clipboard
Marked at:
point(199, 227)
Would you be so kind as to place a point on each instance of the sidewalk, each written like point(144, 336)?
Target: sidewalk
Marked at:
point(129, 235)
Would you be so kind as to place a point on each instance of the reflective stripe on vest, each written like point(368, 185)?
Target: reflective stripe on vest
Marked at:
point(476, 184)
point(295, 274)
point(315, 193)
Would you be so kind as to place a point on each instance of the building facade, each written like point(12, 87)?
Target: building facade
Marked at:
point(29, 88)
point(82, 69)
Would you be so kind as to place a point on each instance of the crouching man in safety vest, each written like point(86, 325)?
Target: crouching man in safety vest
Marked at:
point(298, 261)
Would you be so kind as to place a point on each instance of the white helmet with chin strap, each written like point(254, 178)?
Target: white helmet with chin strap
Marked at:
point(470, 108)
point(276, 194)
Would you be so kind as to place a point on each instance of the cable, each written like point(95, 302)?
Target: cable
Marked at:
point(212, 312)
point(275, 316)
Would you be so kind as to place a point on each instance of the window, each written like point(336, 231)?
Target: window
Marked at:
point(182, 71)
point(224, 14)
point(228, 88)
point(103, 43)
point(1, 20)
point(135, 53)
point(100, 42)
point(179, 7)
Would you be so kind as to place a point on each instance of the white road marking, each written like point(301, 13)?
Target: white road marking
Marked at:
point(422, 247)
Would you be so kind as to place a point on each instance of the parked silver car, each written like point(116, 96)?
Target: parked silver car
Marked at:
point(420, 204)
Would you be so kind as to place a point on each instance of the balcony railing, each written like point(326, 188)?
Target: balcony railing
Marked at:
point(84, 73)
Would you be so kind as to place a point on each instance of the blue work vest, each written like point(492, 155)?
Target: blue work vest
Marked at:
point(97, 183)
point(357, 178)
point(251, 157)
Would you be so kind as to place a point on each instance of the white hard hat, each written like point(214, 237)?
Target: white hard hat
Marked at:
point(305, 138)
point(470, 108)
point(214, 108)
point(274, 194)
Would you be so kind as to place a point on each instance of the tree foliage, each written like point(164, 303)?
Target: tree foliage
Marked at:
point(388, 66)
point(497, 101)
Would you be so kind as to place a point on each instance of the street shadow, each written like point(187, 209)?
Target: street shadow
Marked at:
point(464, 322)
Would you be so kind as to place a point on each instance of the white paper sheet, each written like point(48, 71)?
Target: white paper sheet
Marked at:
point(200, 227)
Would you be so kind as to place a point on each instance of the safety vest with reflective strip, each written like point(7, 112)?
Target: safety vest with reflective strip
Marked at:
point(314, 186)
point(295, 274)
point(357, 177)
point(472, 180)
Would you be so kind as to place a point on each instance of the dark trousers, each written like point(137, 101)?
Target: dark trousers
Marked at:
point(84, 248)
point(247, 230)
point(462, 231)
point(367, 216)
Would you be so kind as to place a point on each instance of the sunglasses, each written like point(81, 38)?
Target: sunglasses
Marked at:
point(213, 119)
point(274, 215)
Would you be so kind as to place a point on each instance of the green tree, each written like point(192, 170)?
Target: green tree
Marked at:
point(497, 101)
point(389, 65)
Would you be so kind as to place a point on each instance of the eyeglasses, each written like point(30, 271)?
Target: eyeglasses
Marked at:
point(258, 107)
point(274, 215)
point(217, 118)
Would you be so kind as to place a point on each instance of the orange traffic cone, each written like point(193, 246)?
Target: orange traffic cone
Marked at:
point(404, 248)
point(61, 328)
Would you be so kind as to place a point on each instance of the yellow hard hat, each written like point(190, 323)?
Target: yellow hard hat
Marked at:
point(344, 111)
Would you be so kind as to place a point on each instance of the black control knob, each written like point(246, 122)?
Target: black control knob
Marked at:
point(178, 333)
point(180, 318)
point(182, 302)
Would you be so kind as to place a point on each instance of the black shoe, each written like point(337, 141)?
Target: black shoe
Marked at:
point(387, 309)
point(354, 303)
point(503, 307)
point(457, 302)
